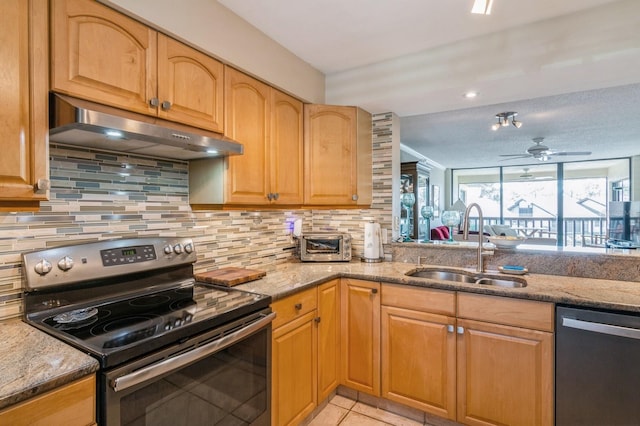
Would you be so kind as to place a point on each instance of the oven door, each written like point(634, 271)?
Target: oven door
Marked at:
point(220, 377)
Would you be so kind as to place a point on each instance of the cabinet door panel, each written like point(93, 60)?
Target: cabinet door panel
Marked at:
point(286, 148)
point(360, 317)
point(23, 106)
point(328, 338)
point(505, 375)
point(294, 354)
point(247, 119)
point(192, 82)
point(102, 55)
point(330, 157)
point(418, 360)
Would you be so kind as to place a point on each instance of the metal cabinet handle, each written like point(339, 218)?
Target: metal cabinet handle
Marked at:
point(269, 196)
point(354, 197)
point(317, 319)
point(615, 330)
point(374, 290)
point(460, 330)
point(450, 328)
point(154, 102)
point(276, 196)
point(298, 306)
point(165, 105)
point(42, 185)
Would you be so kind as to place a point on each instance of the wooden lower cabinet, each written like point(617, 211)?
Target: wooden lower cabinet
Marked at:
point(294, 358)
point(505, 371)
point(419, 349)
point(360, 318)
point(328, 338)
point(70, 405)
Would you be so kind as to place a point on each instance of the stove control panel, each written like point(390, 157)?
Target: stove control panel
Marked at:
point(125, 255)
point(70, 264)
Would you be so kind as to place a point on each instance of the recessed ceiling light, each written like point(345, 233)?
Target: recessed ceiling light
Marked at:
point(482, 7)
point(471, 94)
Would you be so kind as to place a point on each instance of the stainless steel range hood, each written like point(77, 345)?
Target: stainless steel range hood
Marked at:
point(78, 122)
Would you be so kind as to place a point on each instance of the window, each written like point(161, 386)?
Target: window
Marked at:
point(526, 198)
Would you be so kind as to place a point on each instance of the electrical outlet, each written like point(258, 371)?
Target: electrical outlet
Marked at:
point(385, 238)
point(396, 223)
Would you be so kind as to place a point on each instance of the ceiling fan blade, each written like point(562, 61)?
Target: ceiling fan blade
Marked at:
point(571, 153)
point(515, 155)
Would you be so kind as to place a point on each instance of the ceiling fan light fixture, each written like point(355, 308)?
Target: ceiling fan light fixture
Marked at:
point(482, 7)
point(495, 126)
point(516, 123)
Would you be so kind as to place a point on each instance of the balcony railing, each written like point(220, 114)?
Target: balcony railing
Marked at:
point(577, 231)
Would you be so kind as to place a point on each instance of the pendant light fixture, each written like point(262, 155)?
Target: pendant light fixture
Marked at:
point(506, 118)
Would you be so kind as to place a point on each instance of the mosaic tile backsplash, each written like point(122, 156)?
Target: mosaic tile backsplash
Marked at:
point(99, 195)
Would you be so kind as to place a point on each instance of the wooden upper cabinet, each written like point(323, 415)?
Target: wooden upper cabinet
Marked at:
point(101, 55)
point(23, 109)
point(190, 85)
point(247, 120)
point(285, 148)
point(337, 159)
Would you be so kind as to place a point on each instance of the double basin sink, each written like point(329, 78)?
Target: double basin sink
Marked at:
point(443, 274)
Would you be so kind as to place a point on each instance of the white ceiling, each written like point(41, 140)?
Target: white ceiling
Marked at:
point(541, 58)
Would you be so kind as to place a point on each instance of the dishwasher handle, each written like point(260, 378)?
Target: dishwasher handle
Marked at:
point(596, 327)
point(172, 364)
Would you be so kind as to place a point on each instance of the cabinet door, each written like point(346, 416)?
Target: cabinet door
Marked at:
point(285, 149)
point(247, 119)
point(360, 340)
point(418, 360)
point(190, 85)
point(70, 405)
point(505, 375)
point(294, 358)
point(330, 155)
point(23, 109)
point(328, 338)
point(101, 55)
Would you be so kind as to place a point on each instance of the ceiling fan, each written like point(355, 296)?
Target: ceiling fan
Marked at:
point(526, 176)
point(542, 152)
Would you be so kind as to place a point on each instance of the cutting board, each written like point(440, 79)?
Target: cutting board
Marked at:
point(230, 276)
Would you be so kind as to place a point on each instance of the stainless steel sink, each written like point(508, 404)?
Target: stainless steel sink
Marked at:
point(444, 275)
point(467, 277)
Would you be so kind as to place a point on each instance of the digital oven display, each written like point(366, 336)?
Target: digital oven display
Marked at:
point(126, 255)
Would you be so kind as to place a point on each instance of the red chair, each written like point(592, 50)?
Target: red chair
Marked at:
point(440, 233)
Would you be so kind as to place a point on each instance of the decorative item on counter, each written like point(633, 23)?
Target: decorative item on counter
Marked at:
point(427, 214)
point(373, 251)
point(513, 269)
point(408, 200)
point(506, 241)
point(450, 218)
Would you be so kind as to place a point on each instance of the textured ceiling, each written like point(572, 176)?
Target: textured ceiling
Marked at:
point(541, 58)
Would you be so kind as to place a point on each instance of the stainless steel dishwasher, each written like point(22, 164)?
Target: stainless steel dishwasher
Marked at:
point(597, 367)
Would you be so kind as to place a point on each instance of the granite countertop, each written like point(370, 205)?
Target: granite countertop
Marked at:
point(32, 362)
point(288, 278)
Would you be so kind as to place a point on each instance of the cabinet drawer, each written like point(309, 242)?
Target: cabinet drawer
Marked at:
point(504, 310)
point(294, 306)
point(419, 299)
point(70, 405)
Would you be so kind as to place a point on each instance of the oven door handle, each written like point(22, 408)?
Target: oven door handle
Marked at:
point(172, 364)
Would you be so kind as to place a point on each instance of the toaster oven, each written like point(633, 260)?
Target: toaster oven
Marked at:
point(325, 247)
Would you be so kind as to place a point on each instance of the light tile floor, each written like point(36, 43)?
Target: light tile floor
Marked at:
point(346, 412)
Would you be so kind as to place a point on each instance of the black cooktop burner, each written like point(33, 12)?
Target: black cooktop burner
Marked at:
point(118, 330)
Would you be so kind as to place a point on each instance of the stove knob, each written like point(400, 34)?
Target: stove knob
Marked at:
point(168, 250)
point(43, 267)
point(177, 248)
point(188, 248)
point(65, 263)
